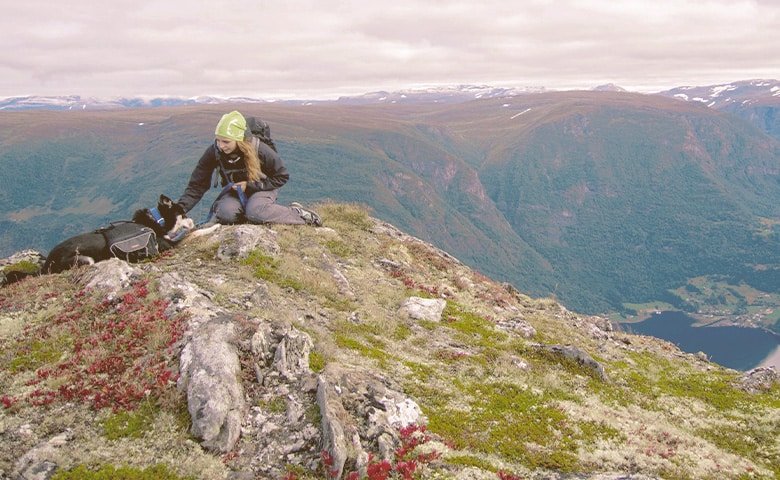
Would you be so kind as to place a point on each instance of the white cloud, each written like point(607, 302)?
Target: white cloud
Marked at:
point(306, 49)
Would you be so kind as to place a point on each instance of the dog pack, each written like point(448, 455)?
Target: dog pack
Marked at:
point(130, 241)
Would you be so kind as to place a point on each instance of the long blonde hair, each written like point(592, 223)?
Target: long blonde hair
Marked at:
point(254, 170)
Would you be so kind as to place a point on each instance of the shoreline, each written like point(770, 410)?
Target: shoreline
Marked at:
point(771, 360)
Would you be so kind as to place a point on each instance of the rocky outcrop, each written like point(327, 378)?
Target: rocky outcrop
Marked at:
point(760, 379)
point(361, 412)
point(322, 365)
point(20, 265)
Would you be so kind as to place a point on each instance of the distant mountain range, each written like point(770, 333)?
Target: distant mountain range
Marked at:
point(601, 198)
point(716, 96)
point(447, 94)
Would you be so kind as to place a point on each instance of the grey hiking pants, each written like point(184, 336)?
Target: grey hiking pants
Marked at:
point(261, 207)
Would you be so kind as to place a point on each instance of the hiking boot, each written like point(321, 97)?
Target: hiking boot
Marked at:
point(308, 216)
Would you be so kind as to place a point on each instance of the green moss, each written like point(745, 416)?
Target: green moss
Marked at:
point(748, 440)
point(420, 371)
point(110, 472)
point(266, 268)
point(25, 266)
point(714, 388)
point(130, 424)
point(428, 324)
point(316, 362)
point(40, 352)
point(594, 431)
point(471, 325)
point(471, 461)
point(345, 341)
point(507, 420)
point(402, 332)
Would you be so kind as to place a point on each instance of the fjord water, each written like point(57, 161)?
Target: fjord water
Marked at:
point(740, 348)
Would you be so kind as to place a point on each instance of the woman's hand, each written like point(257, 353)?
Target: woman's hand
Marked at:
point(240, 184)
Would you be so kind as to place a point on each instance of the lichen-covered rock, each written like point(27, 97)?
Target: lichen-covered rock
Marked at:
point(578, 356)
point(418, 308)
point(240, 240)
point(210, 371)
point(760, 379)
point(111, 276)
point(38, 463)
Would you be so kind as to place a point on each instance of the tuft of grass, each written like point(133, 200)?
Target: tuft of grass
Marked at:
point(25, 266)
point(316, 362)
point(340, 248)
point(275, 405)
point(111, 472)
point(266, 268)
point(133, 424)
point(402, 332)
point(345, 341)
point(350, 214)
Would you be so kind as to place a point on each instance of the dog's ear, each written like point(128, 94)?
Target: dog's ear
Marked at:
point(165, 201)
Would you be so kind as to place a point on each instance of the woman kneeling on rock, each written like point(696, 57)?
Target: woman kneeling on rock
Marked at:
point(251, 174)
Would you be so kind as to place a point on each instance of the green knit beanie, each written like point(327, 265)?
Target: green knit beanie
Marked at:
point(232, 126)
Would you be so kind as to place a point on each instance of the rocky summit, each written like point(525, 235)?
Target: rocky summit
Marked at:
point(349, 351)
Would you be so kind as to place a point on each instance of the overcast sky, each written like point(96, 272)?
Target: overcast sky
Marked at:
point(276, 49)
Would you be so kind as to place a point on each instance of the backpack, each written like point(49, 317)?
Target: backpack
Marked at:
point(261, 131)
point(130, 241)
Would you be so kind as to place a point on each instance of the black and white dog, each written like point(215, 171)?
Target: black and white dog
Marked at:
point(168, 221)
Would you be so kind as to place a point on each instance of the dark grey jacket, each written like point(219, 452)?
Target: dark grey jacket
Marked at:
point(233, 170)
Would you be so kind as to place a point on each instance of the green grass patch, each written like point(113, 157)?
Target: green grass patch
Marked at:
point(505, 419)
point(110, 472)
point(364, 350)
point(748, 441)
point(402, 332)
point(350, 214)
point(130, 424)
point(266, 268)
point(471, 461)
point(340, 248)
point(25, 266)
point(316, 362)
point(40, 352)
point(274, 405)
point(471, 326)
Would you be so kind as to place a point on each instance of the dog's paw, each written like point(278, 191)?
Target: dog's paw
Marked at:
point(205, 231)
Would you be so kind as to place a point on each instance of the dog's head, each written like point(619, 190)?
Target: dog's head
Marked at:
point(168, 219)
point(176, 222)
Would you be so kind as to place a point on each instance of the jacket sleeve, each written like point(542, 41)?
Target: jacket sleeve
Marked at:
point(273, 168)
point(200, 180)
